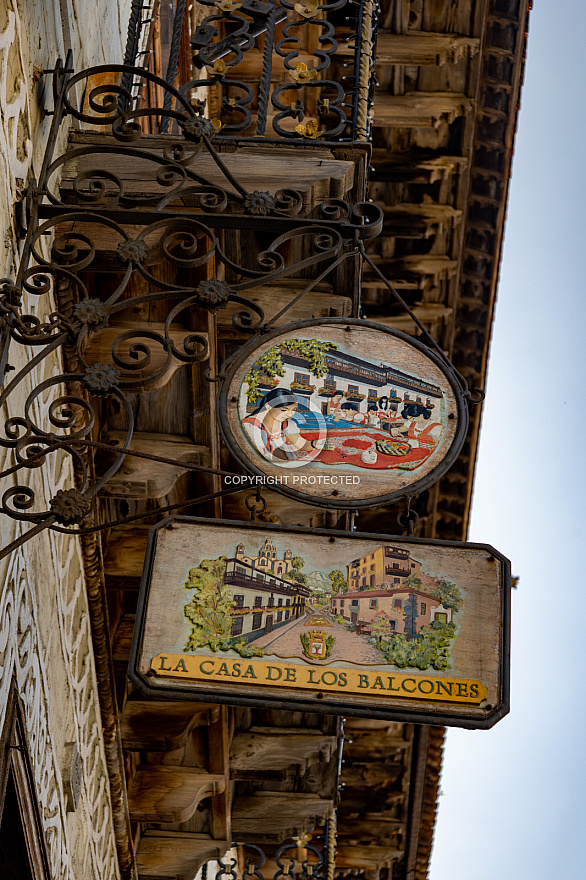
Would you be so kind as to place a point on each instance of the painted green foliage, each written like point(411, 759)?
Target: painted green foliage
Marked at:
point(432, 645)
point(381, 627)
point(209, 609)
point(242, 647)
point(271, 362)
point(339, 582)
point(295, 574)
point(449, 595)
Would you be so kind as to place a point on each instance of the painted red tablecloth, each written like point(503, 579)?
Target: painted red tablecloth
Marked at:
point(351, 441)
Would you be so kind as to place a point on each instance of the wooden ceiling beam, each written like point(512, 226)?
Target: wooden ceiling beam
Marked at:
point(420, 48)
point(263, 756)
point(321, 302)
point(413, 167)
point(273, 817)
point(99, 350)
point(169, 794)
point(175, 855)
point(124, 556)
point(148, 726)
point(419, 109)
point(140, 478)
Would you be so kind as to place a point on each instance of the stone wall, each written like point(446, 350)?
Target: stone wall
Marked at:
point(45, 640)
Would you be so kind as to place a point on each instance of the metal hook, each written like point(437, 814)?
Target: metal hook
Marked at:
point(408, 518)
point(476, 395)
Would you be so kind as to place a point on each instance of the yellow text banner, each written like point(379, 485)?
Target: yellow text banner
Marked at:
point(273, 674)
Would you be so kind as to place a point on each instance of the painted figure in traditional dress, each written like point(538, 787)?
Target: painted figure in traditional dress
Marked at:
point(372, 417)
point(274, 432)
point(335, 405)
point(389, 419)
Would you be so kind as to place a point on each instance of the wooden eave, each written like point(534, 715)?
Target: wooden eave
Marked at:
point(495, 78)
point(451, 283)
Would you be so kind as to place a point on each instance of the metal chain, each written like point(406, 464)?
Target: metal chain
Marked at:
point(255, 501)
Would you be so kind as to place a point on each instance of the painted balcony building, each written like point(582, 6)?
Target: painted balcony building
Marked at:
point(362, 382)
point(387, 566)
point(262, 601)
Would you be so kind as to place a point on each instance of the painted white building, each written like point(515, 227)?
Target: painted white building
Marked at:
point(50, 705)
point(262, 600)
point(361, 382)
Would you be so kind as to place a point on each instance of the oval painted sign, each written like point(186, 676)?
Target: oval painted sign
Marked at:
point(344, 413)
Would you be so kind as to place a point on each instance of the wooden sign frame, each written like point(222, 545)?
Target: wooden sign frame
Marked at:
point(464, 697)
point(353, 450)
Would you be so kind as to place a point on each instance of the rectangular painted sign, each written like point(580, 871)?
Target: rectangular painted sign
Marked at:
point(335, 622)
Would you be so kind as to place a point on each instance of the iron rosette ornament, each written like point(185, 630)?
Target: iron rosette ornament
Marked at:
point(52, 310)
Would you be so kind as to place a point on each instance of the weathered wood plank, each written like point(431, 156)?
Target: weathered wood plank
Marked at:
point(124, 556)
point(419, 109)
point(143, 478)
point(274, 816)
point(122, 640)
point(428, 313)
point(99, 350)
point(255, 755)
point(407, 166)
point(259, 167)
point(418, 48)
point(219, 751)
point(366, 857)
point(320, 302)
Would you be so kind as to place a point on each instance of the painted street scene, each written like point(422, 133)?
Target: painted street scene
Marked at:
point(379, 608)
point(307, 400)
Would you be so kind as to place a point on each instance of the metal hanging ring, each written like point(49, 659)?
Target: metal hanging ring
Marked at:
point(255, 503)
point(477, 395)
point(408, 519)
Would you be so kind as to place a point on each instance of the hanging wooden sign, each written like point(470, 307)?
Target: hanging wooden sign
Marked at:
point(343, 413)
point(323, 621)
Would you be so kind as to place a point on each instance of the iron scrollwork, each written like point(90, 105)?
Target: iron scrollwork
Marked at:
point(303, 34)
point(189, 196)
point(300, 858)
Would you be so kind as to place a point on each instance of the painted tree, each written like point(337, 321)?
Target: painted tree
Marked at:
point(449, 595)
point(209, 609)
point(271, 362)
point(295, 573)
point(413, 581)
point(338, 582)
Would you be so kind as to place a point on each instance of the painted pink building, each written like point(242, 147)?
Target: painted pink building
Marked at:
point(408, 610)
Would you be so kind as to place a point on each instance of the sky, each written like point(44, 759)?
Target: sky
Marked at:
point(513, 800)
